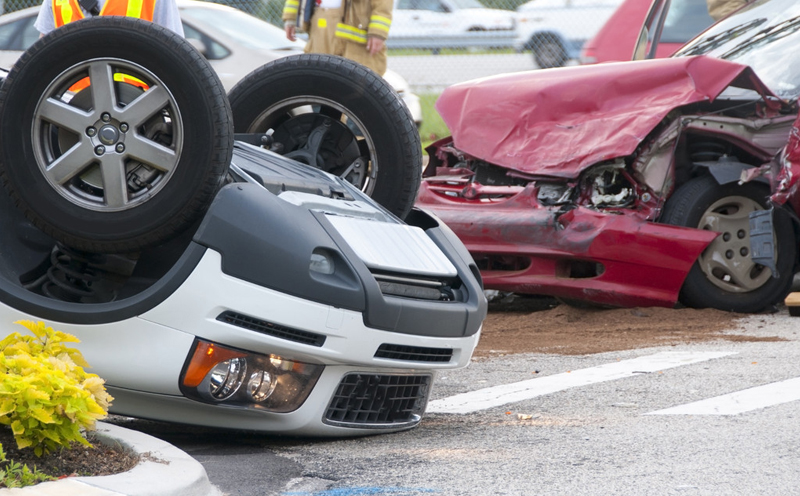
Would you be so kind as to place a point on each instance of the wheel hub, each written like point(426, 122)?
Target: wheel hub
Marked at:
point(727, 261)
point(108, 134)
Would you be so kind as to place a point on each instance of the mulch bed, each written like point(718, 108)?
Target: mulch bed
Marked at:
point(77, 461)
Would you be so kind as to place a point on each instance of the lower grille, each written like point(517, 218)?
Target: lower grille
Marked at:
point(271, 329)
point(414, 353)
point(375, 401)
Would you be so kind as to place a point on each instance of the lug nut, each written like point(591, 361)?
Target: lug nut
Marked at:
point(105, 117)
point(744, 252)
point(90, 131)
point(729, 254)
point(120, 148)
point(99, 150)
point(726, 237)
point(741, 234)
point(123, 127)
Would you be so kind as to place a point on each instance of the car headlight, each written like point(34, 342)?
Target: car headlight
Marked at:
point(217, 374)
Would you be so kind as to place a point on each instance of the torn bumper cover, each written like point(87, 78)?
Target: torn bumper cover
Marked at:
point(612, 259)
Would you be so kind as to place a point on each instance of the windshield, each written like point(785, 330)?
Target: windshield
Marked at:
point(764, 35)
point(241, 27)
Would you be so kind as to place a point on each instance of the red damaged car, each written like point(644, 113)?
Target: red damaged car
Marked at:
point(638, 183)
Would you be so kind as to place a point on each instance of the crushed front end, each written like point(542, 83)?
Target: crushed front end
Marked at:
point(565, 197)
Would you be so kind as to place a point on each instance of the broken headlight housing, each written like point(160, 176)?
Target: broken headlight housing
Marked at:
point(553, 193)
point(609, 186)
point(220, 375)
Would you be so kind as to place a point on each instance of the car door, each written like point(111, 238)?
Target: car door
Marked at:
point(422, 18)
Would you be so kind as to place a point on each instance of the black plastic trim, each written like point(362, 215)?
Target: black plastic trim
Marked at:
point(414, 353)
point(422, 317)
point(271, 329)
point(372, 401)
point(271, 246)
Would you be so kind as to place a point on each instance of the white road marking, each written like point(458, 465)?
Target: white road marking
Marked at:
point(483, 399)
point(740, 401)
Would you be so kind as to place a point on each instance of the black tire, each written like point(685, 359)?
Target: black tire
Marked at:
point(724, 276)
point(164, 154)
point(331, 96)
point(548, 52)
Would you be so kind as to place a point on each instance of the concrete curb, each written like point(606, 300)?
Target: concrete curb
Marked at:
point(163, 470)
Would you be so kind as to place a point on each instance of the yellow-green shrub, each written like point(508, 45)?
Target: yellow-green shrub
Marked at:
point(46, 397)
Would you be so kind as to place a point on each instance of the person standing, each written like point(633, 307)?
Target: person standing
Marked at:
point(56, 13)
point(355, 29)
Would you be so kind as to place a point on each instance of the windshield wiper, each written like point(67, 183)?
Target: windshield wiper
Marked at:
point(765, 36)
point(720, 39)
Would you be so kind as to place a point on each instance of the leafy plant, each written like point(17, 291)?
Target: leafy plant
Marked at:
point(46, 397)
point(13, 474)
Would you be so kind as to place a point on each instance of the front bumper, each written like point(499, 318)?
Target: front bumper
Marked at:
point(611, 258)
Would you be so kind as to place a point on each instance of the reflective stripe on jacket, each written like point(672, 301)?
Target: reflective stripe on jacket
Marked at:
point(361, 18)
point(66, 11)
point(364, 18)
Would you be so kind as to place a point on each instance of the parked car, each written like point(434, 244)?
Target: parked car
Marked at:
point(434, 18)
point(234, 43)
point(622, 183)
point(617, 38)
point(555, 30)
point(213, 281)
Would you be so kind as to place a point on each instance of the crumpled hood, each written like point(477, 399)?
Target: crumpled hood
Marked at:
point(558, 122)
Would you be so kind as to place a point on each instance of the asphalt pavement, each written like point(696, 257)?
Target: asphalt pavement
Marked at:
point(694, 419)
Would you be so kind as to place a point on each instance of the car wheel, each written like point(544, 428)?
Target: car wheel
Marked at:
point(724, 276)
point(338, 116)
point(122, 134)
point(548, 52)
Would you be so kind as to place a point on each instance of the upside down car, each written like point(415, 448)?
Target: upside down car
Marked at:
point(641, 183)
point(244, 283)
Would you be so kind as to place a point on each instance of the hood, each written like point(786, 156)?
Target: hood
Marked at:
point(557, 122)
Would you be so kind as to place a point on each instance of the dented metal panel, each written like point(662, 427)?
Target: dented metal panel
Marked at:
point(558, 122)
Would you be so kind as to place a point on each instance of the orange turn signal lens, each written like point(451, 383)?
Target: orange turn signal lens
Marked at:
point(205, 357)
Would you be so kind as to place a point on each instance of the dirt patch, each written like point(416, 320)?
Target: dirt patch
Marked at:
point(541, 325)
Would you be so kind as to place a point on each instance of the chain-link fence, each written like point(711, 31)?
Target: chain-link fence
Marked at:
point(435, 43)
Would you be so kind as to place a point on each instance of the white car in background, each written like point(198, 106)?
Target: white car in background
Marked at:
point(555, 30)
point(235, 43)
point(432, 18)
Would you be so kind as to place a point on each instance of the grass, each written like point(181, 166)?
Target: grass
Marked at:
point(433, 127)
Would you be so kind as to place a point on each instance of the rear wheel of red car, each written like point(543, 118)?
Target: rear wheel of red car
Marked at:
point(338, 116)
point(724, 276)
point(117, 134)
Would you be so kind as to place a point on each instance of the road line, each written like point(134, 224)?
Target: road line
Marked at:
point(483, 399)
point(740, 401)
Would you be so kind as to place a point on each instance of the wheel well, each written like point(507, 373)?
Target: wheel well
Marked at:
point(695, 149)
point(544, 37)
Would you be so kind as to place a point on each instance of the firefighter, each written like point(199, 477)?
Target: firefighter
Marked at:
point(356, 29)
point(56, 13)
